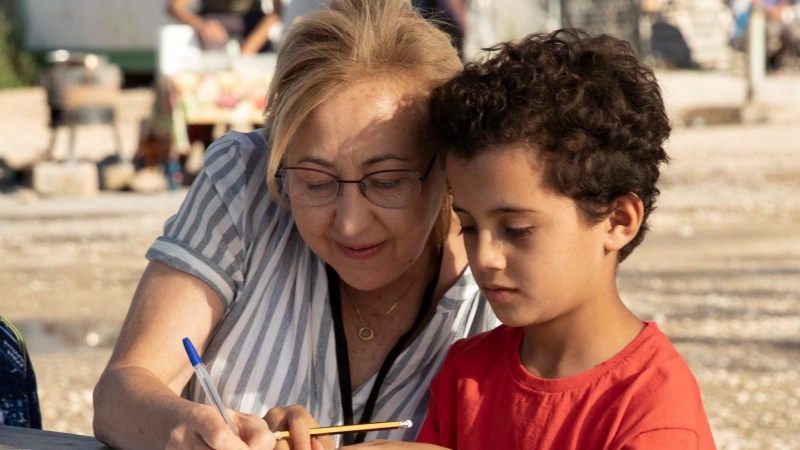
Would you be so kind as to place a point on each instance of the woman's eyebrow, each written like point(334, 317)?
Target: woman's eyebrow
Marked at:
point(316, 160)
point(384, 157)
point(369, 162)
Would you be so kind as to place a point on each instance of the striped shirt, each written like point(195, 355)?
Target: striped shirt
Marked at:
point(275, 344)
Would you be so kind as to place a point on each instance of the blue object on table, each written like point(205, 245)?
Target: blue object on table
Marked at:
point(174, 174)
point(19, 400)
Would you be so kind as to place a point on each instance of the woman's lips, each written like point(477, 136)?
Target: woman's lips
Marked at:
point(360, 252)
point(497, 294)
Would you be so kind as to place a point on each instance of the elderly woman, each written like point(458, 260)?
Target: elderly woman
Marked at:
point(310, 263)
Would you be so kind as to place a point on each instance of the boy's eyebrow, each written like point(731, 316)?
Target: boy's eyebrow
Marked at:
point(457, 208)
point(501, 210)
point(513, 209)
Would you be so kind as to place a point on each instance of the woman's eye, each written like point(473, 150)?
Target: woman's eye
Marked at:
point(387, 182)
point(319, 186)
point(518, 232)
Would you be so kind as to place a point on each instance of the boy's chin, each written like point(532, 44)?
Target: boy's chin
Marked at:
point(514, 319)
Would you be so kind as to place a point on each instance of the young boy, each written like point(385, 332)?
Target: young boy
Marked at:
point(554, 146)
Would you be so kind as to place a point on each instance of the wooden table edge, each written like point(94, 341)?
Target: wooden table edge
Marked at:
point(17, 438)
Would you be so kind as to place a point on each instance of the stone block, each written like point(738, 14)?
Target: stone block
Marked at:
point(148, 180)
point(65, 178)
point(117, 176)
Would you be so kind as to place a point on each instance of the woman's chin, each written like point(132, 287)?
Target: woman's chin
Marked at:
point(370, 275)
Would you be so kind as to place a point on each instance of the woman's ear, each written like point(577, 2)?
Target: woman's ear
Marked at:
point(627, 212)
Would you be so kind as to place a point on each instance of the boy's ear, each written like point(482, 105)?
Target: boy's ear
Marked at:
point(627, 212)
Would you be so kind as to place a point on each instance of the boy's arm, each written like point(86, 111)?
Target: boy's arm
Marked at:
point(435, 433)
point(429, 434)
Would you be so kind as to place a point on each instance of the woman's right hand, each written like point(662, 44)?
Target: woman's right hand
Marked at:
point(298, 421)
point(203, 427)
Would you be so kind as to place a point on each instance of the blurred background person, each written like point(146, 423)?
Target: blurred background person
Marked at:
point(253, 26)
point(449, 16)
point(783, 28)
point(253, 23)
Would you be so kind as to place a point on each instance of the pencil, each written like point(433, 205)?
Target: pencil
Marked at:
point(358, 428)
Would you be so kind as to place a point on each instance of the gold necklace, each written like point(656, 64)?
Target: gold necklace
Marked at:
point(365, 333)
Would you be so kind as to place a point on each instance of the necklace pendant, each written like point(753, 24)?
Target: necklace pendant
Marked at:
point(366, 334)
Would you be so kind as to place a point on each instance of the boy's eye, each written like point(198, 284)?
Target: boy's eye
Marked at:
point(468, 230)
point(518, 232)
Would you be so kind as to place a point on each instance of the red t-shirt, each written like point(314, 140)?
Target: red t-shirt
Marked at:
point(645, 397)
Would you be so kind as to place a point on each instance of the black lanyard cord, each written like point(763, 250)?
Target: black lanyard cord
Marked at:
point(343, 359)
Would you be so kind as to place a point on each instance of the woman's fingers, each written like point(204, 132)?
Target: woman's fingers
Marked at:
point(294, 419)
point(317, 445)
point(275, 420)
point(323, 443)
point(204, 428)
point(214, 431)
point(255, 433)
point(298, 421)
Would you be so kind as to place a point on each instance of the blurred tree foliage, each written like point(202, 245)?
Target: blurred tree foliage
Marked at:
point(17, 68)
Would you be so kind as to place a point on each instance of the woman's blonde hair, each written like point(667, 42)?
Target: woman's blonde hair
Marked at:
point(350, 41)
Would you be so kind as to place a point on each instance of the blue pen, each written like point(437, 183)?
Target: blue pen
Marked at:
point(205, 380)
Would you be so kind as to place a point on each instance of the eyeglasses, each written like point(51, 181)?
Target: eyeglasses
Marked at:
point(385, 188)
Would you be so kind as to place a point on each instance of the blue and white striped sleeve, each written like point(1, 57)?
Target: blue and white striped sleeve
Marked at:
point(205, 237)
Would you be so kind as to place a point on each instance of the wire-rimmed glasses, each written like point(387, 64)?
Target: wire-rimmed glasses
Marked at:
point(386, 188)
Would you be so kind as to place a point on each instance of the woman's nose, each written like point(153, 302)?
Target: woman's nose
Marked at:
point(487, 253)
point(353, 210)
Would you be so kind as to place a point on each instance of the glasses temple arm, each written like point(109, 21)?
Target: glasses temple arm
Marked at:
point(429, 168)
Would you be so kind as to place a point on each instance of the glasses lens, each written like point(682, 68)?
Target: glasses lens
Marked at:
point(309, 187)
point(392, 189)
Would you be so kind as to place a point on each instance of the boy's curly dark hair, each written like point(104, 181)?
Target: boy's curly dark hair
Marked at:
point(586, 105)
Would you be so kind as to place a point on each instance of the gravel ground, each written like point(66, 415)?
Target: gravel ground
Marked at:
point(720, 272)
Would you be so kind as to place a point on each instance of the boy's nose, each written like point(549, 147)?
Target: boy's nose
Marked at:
point(488, 254)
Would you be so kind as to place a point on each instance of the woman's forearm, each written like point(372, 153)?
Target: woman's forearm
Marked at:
point(137, 400)
point(133, 409)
